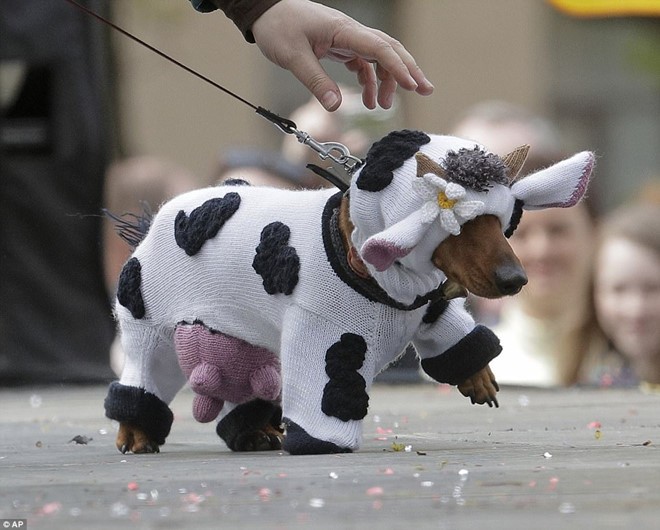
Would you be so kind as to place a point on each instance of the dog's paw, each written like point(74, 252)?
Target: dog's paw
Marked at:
point(132, 439)
point(481, 388)
point(269, 438)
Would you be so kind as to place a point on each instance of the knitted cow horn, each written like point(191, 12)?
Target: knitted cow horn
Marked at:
point(514, 161)
point(426, 165)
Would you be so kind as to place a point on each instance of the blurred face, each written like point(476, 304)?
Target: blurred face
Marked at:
point(627, 297)
point(554, 247)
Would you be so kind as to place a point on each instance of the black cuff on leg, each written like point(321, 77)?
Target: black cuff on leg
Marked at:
point(467, 357)
point(143, 409)
point(299, 442)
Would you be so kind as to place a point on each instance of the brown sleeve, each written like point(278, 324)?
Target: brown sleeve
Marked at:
point(244, 13)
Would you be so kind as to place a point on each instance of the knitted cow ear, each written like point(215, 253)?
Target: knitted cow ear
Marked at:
point(384, 248)
point(559, 186)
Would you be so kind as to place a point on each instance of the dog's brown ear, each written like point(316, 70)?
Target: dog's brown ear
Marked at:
point(514, 161)
point(426, 165)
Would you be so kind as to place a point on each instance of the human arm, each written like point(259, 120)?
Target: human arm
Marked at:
point(296, 34)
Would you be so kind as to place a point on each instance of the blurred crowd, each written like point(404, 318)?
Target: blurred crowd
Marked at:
point(590, 314)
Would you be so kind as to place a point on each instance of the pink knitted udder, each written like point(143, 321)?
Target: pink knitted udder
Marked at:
point(222, 368)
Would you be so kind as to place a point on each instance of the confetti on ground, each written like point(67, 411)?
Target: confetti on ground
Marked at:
point(598, 434)
point(192, 501)
point(566, 508)
point(398, 447)
point(547, 455)
point(132, 486)
point(119, 509)
point(387, 471)
point(375, 491)
point(333, 475)
point(50, 508)
point(594, 425)
point(380, 430)
point(265, 494)
point(316, 503)
point(647, 442)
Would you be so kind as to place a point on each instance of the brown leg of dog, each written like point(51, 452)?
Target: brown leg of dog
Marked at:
point(481, 387)
point(132, 439)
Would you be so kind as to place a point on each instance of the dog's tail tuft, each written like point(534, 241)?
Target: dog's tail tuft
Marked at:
point(132, 227)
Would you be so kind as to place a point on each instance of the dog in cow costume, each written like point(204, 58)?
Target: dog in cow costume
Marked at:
point(280, 307)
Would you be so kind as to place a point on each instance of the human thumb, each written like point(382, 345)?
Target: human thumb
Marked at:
point(310, 73)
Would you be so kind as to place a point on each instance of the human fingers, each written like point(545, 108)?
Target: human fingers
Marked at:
point(386, 87)
point(389, 54)
point(366, 77)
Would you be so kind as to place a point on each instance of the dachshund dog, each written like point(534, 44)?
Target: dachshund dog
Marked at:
point(281, 306)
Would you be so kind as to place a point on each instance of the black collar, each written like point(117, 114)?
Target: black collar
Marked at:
point(367, 287)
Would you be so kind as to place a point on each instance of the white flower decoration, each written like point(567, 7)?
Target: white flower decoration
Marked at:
point(447, 200)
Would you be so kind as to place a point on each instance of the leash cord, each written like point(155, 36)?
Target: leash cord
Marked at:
point(333, 150)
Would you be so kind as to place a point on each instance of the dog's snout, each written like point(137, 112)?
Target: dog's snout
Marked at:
point(510, 279)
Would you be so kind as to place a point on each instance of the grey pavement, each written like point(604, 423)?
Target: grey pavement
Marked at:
point(430, 459)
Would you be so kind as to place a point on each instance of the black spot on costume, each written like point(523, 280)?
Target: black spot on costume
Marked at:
point(275, 261)
point(204, 222)
point(345, 396)
point(387, 155)
point(129, 293)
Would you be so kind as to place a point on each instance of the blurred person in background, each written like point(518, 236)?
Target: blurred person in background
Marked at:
point(627, 289)
point(548, 332)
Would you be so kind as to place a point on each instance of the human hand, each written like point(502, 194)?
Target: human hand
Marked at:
point(295, 34)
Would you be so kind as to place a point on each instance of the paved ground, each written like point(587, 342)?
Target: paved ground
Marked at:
point(569, 459)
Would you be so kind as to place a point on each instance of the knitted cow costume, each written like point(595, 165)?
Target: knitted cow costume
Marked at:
point(264, 270)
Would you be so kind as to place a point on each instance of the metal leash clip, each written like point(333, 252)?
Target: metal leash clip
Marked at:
point(335, 151)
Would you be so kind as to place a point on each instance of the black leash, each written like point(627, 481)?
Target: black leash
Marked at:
point(335, 151)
